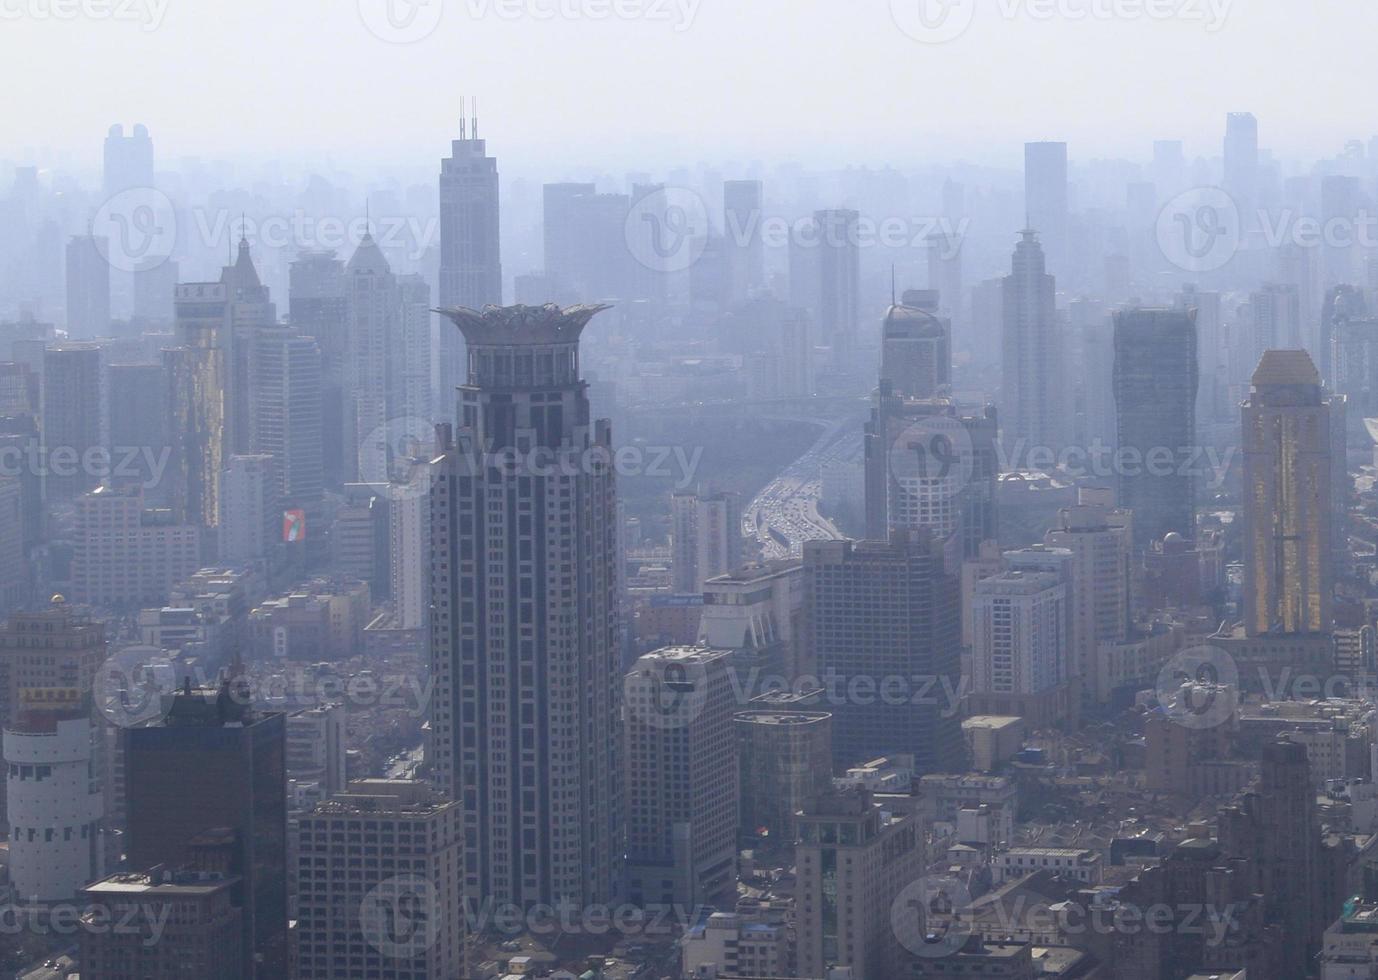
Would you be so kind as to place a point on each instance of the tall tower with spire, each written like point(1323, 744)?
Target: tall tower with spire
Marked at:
point(470, 263)
point(1032, 405)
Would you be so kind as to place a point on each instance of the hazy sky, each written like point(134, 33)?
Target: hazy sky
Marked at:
point(650, 82)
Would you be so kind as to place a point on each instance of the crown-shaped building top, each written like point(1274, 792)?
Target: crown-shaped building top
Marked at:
point(521, 325)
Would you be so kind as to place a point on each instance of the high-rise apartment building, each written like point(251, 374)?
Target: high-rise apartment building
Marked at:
point(250, 508)
point(681, 780)
point(1288, 565)
point(389, 851)
point(128, 555)
point(1098, 538)
point(1019, 648)
point(525, 726)
point(1156, 371)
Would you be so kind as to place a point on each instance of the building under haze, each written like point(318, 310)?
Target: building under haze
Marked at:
point(525, 725)
point(1288, 564)
point(470, 259)
point(1034, 387)
point(916, 347)
point(88, 287)
point(73, 397)
point(1156, 372)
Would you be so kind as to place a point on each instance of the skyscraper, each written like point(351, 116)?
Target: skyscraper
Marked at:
point(402, 877)
point(525, 720)
point(375, 308)
point(742, 217)
point(88, 287)
point(1288, 566)
point(883, 613)
point(216, 768)
point(470, 259)
point(128, 159)
point(916, 347)
point(1033, 391)
point(681, 779)
point(198, 378)
point(136, 403)
point(73, 399)
point(1241, 162)
point(1045, 194)
point(1019, 651)
point(251, 311)
point(839, 282)
point(930, 465)
point(319, 309)
point(855, 859)
point(289, 407)
point(1156, 370)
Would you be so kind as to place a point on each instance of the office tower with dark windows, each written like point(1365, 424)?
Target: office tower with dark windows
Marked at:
point(525, 722)
point(855, 859)
point(389, 851)
point(73, 418)
point(742, 217)
point(470, 259)
point(785, 762)
point(881, 614)
point(1288, 565)
point(138, 427)
point(1034, 389)
point(319, 309)
point(1045, 194)
point(681, 779)
point(916, 347)
point(1156, 371)
point(211, 774)
point(88, 287)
